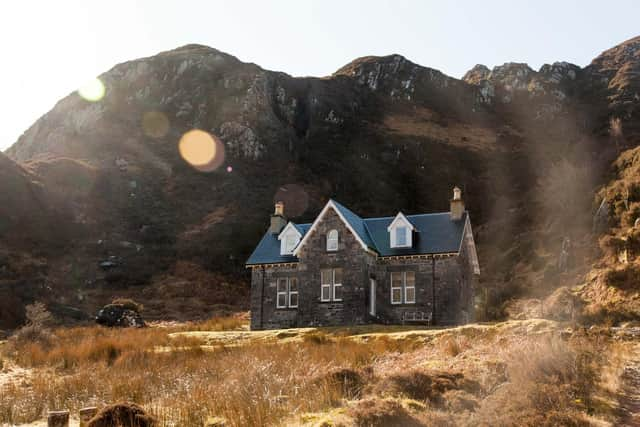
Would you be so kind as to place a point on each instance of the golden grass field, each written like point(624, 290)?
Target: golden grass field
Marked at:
point(512, 373)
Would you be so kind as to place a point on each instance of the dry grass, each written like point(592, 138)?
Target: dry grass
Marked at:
point(506, 372)
point(376, 412)
point(422, 385)
point(255, 384)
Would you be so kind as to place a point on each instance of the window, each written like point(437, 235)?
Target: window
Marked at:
point(403, 287)
point(290, 243)
point(401, 232)
point(332, 240)
point(401, 236)
point(337, 284)
point(289, 238)
point(282, 293)
point(409, 287)
point(396, 288)
point(331, 284)
point(287, 292)
point(293, 292)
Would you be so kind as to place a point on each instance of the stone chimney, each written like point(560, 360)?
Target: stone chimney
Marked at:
point(278, 220)
point(457, 205)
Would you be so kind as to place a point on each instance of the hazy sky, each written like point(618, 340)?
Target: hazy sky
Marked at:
point(50, 48)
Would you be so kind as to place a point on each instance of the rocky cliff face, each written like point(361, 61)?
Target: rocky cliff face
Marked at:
point(381, 134)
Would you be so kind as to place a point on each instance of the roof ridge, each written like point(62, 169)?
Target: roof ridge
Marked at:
point(408, 216)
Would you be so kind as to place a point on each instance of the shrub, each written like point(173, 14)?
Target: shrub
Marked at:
point(128, 304)
point(122, 415)
point(612, 245)
point(38, 315)
point(630, 215)
point(624, 278)
point(35, 335)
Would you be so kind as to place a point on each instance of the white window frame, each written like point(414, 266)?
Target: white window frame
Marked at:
point(403, 287)
point(280, 292)
point(325, 285)
point(287, 292)
point(406, 287)
point(332, 240)
point(336, 285)
point(296, 292)
point(331, 285)
point(393, 288)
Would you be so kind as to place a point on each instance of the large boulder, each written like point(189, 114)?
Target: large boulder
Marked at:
point(119, 315)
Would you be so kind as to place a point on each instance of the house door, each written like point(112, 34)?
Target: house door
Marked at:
point(372, 297)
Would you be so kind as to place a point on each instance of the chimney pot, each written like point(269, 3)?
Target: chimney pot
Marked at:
point(457, 193)
point(457, 205)
point(279, 209)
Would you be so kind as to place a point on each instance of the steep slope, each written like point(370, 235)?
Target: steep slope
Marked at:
point(381, 134)
point(26, 223)
point(611, 288)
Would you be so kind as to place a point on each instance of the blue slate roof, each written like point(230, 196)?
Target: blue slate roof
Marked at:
point(357, 223)
point(435, 233)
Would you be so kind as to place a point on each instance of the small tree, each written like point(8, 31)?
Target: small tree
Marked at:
point(38, 315)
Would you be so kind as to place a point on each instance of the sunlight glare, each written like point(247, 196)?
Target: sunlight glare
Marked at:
point(92, 91)
point(201, 150)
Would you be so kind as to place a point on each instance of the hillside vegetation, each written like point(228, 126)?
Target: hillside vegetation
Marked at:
point(613, 286)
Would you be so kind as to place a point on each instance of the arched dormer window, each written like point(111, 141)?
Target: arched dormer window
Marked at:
point(332, 240)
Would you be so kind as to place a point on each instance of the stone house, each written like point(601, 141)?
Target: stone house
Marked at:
point(346, 270)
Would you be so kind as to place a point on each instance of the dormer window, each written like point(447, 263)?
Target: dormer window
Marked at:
point(289, 239)
point(401, 236)
point(332, 241)
point(400, 232)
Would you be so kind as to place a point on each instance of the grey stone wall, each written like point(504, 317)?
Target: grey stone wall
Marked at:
point(264, 311)
point(351, 258)
point(450, 289)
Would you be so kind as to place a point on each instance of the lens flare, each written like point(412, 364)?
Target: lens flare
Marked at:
point(155, 124)
point(295, 199)
point(201, 150)
point(92, 91)
point(229, 169)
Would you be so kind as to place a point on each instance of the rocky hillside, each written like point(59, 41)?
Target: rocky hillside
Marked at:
point(380, 134)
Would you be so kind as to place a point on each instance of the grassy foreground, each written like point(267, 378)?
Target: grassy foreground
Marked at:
point(511, 373)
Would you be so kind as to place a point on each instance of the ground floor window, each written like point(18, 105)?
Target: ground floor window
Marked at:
point(403, 287)
point(331, 284)
point(287, 292)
